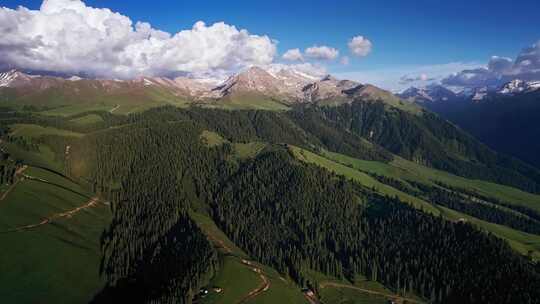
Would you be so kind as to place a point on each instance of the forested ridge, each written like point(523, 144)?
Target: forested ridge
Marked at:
point(283, 212)
point(425, 139)
point(153, 251)
point(377, 236)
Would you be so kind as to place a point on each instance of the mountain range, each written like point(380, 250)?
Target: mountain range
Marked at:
point(506, 117)
point(281, 87)
point(436, 93)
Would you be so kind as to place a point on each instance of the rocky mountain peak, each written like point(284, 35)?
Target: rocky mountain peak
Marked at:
point(517, 86)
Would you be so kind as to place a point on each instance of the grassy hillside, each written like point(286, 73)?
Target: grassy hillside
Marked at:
point(56, 261)
point(87, 119)
point(76, 109)
point(86, 95)
point(247, 102)
point(34, 131)
point(404, 170)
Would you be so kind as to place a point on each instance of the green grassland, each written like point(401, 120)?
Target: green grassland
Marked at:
point(350, 296)
point(56, 262)
point(44, 158)
point(404, 170)
point(248, 150)
point(247, 102)
point(236, 280)
point(87, 119)
point(70, 110)
point(212, 139)
point(34, 131)
point(357, 292)
point(241, 150)
point(83, 96)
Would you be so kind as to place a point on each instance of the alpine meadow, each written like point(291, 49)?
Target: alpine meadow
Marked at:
point(269, 153)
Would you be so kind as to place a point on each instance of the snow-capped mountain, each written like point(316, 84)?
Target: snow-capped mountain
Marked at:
point(328, 88)
point(480, 94)
point(7, 77)
point(517, 86)
point(281, 84)
point(284, 84)
point(439, 93)
point(14, 78)
point(432, 93)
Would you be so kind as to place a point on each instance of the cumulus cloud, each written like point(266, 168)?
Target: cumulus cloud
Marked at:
point(390, 78)
point(360, 46)
point(314, 71)
point(407, 79)
point(500, 64)
point(293, 55)
point(322, 52)
point(500, 70)
point(69, 36)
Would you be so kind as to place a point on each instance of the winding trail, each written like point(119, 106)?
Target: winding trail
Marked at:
point(265, 282)
point(396, 298)
point(17, 174)
point(114, 109)
point(67, 214)
point(264, 286)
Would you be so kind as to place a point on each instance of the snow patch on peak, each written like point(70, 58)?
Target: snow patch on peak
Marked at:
point(6, 78)
point(514, 86)
point(74, 78)
point(480, 94)
point(535, 85)
point(517, 86)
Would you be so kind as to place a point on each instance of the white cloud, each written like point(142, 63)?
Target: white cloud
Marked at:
point(314, 71)
point(392, 78)
point(360, 46)
point(68, 36)
point(345, 60)
point(500, 70)
point(408, 79)
point(293, 55)
point(322, 52)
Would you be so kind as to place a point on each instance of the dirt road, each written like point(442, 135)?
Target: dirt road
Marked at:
point(395, 298)
point(264, 286)
point(265, 282)
point(18, 179)
point(114, 109)
point(67, 214)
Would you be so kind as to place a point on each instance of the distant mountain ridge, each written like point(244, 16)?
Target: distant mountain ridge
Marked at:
point(505, 118)
point(283, 85)
point(438, 93)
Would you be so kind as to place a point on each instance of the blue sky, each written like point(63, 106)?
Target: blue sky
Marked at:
point(408, 37)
